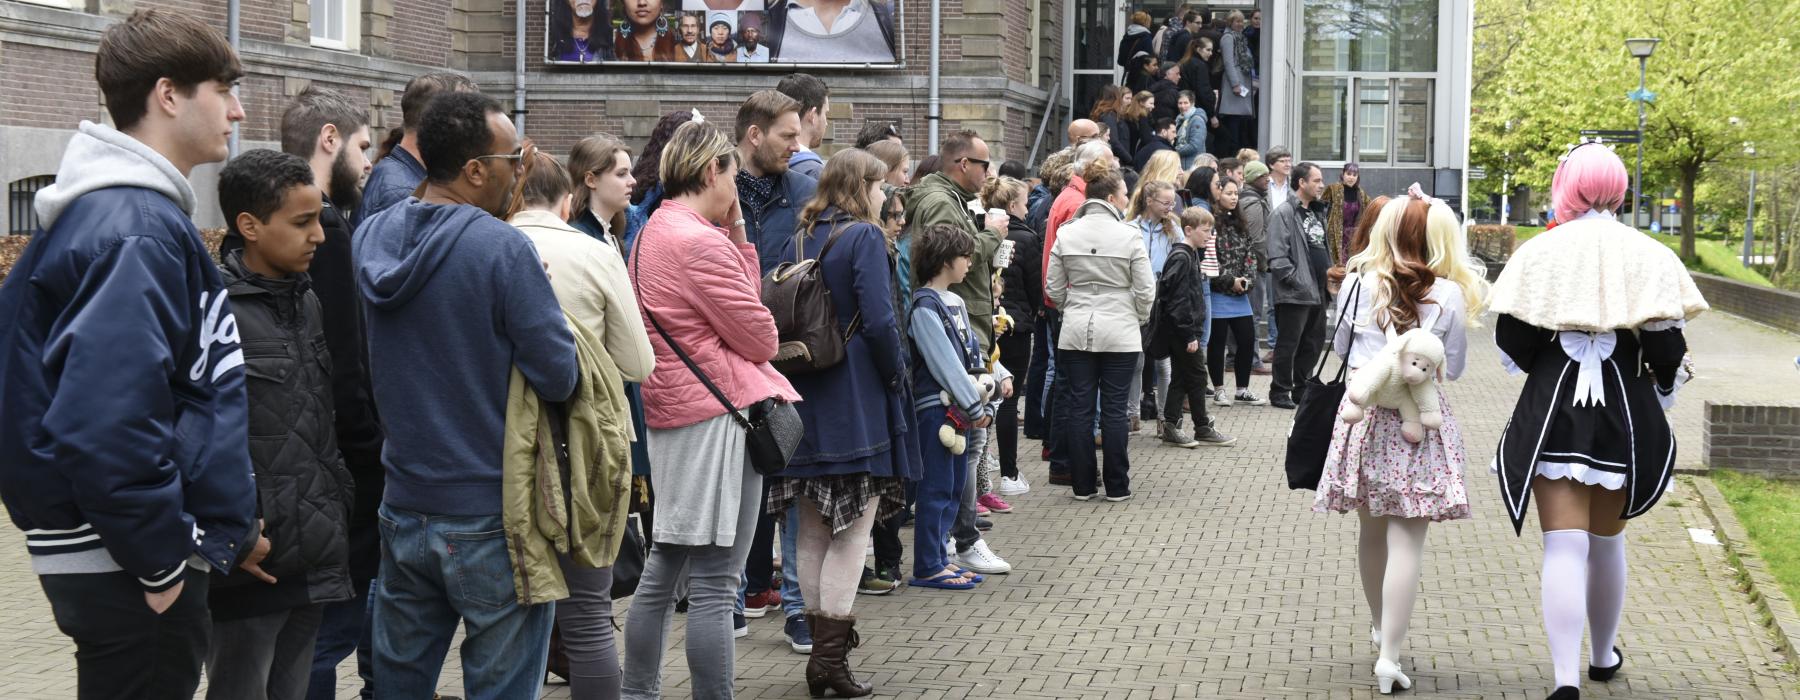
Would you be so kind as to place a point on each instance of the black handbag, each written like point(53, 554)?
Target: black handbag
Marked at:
point(629, 566)
point(772, 428)
point(1309, 438)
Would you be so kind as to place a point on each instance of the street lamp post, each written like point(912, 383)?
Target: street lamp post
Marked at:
point(1750, 213)
point(1641, 49)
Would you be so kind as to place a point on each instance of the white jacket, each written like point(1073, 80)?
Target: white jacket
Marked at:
point(1100, 278)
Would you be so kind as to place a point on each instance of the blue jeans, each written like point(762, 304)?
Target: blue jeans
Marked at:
point(1106, 375)
point(792, 603)
point(940, 495)
point(436, 572)
point(344, 630)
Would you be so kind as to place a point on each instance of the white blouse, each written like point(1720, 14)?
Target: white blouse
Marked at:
point(1359, 338)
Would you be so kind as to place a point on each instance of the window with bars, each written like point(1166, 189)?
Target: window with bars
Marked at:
point(21, 217)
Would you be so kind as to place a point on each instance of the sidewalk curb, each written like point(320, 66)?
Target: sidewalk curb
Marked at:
point(1771, 603)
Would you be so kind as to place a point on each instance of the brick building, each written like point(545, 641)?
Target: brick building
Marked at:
point(998, 60)
point(1380, 82)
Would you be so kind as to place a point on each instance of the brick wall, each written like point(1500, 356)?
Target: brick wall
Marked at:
point(1760, 439)
point(1773, 307)
point(44, 87)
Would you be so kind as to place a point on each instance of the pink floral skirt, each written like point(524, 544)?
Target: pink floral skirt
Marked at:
point(1370, 464)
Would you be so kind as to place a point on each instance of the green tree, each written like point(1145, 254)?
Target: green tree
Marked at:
point(1567, 69)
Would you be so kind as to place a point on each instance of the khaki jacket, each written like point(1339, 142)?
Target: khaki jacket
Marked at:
point(542, 518)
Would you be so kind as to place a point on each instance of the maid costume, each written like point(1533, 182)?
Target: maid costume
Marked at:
point(1593, 312)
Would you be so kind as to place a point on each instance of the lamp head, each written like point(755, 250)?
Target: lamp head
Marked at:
point(1642, 47)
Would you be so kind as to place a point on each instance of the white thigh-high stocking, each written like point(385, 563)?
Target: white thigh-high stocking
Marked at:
point(1400, 583)
point(1371, 560)
point(1605, 594)
point(1565, 591)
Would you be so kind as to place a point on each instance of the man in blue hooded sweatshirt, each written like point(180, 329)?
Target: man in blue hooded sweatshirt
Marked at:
point(124, 451)
point(455, 299)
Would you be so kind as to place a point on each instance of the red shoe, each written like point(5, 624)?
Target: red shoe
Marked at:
point(762, 603)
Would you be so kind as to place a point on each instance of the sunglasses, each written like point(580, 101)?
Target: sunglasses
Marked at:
point(984, 164)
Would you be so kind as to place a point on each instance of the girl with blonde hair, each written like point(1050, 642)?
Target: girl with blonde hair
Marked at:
point(1398, 480)
point(1165, 166)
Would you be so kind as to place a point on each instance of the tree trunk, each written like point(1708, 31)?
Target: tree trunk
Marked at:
point(1689, 173)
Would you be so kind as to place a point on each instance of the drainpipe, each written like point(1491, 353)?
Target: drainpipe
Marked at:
point(933, 105)
point(518, 67)
point(232, 35)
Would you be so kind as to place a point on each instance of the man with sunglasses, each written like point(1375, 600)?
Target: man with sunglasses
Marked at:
point(948, 196)
point(454, 300)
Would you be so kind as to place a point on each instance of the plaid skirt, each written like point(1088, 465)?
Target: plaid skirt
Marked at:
point(842, 498)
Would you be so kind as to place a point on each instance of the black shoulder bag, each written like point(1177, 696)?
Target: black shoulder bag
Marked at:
point(772, 430)
point(1309, 439)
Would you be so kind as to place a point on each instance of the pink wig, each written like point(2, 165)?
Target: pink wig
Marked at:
point(1591, 178)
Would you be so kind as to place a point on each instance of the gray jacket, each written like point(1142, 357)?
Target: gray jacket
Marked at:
point(1253, 208)
point(1296, 282)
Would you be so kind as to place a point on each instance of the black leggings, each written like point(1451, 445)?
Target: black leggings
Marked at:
point(1242, 330)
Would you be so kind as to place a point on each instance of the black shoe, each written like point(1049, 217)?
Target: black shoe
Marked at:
point(983, 524)
point(1282, 401)
point(1606, 674)
point(1060, 479)
point(1567, 692)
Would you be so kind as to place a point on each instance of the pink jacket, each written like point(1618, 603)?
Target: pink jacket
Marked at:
point(705, 292)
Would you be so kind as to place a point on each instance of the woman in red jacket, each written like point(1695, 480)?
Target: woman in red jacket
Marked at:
point(697, 284)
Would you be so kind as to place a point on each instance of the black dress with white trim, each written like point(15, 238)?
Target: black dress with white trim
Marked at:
point(1592, 410)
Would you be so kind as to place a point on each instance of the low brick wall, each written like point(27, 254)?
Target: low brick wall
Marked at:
point(1762, 439)
point(1773, 307)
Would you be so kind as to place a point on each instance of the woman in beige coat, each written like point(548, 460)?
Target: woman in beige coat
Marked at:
point(1099, 276)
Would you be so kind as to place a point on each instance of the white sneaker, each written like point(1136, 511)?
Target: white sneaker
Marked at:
point(1221, 397)
point(950, 549)
point(982, 560)
point(1014, 487)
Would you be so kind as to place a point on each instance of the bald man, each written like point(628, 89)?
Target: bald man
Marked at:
point(1082, 130)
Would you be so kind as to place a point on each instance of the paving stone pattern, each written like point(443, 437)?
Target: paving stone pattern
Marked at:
point(1218, 582)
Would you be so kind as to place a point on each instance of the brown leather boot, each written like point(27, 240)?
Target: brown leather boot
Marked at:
point(829, 666)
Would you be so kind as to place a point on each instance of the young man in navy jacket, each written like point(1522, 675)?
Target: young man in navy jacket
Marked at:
point(123, 442)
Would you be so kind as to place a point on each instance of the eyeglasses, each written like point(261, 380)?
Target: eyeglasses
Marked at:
point(984, 164)
point(521, 158)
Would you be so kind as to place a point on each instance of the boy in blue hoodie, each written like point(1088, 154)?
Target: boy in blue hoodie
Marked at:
point(122, 423)
point(455, 299)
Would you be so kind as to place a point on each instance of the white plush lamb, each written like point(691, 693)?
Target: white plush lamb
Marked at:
point(950, 432)
point(1400, 377)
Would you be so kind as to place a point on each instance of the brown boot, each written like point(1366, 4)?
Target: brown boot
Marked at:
point(829, 666)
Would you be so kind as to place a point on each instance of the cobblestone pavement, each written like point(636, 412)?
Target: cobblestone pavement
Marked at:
point(1218, 582)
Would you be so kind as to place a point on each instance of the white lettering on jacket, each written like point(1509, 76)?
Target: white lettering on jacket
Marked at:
point(219, 327)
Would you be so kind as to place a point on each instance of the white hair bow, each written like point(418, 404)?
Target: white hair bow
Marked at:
point(1416, 192)
point(698, 117)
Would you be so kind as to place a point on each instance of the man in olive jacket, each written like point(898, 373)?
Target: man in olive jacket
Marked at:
point(1298, 259)
point(944, 197)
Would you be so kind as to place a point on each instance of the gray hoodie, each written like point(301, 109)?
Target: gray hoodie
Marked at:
point(99, 157)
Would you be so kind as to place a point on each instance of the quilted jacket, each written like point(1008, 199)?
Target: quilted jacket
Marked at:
point(706, 293)
point(303, 489)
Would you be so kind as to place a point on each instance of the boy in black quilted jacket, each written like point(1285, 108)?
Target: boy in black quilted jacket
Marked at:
point(266, 612)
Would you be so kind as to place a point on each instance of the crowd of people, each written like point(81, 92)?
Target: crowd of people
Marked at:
point(455, 385)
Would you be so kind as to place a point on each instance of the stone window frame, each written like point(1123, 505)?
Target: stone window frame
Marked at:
point(352, 25)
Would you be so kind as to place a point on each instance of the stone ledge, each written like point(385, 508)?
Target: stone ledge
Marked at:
point(1780, 617)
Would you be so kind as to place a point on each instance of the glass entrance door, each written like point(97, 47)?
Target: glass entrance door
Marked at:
point(1095, 38)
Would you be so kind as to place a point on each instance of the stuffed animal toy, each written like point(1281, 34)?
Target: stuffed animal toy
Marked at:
point(1401, 378)
point(957, 423)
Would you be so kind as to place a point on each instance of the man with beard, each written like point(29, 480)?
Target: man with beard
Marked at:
point(691, 49)
point(770, 196)
point(455, 299)
point(752, 50)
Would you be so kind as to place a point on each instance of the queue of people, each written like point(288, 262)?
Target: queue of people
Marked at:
point(454, 387)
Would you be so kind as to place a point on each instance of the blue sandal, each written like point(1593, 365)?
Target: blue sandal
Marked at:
point(942, 581)
point(970, 575)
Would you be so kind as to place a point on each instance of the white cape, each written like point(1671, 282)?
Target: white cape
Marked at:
point(1595, 274)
